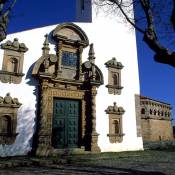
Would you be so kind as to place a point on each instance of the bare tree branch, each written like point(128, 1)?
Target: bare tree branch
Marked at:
point(4, 17)
point(162, 54)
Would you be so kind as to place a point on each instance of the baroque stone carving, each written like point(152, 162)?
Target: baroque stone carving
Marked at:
point(63, 76)
point(115, 123)
point(8, 119)
point(12, 67)
point(114, 76)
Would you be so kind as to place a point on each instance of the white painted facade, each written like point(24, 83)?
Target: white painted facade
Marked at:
point(111, 39)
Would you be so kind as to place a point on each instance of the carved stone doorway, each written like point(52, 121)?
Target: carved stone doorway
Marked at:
point(65, 80)
point(66, 123)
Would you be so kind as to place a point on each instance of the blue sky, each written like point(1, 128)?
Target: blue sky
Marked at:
point(28, 14)
point(157, 80)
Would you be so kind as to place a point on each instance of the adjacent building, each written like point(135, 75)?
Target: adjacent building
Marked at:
point(156, 120)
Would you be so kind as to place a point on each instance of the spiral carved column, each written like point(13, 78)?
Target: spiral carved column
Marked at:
point(44, 140)
point(94, 135)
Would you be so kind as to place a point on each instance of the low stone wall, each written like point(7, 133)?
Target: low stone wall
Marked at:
point(159, 145)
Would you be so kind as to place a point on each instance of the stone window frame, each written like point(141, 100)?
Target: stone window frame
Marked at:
point(5, 125)
point(143, 111)
point(114, 70)
point(12, 72)
point(14, 64)
point(8, 109)
point(115, 114)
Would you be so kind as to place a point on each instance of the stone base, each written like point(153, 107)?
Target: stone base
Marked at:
point(94, 146)
point(46, 151)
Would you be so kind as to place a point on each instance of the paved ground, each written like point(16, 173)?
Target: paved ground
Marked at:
point(127, 163)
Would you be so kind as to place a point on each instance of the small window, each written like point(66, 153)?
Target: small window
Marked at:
point(5, 125)
point(14, 65)
point(115, 79)
point(82, 5)
point(155, 112)
point(114, 76)
point(158, 113)
point(142, 111)
point(116, 127)
point(151, 112)
point(115, 123)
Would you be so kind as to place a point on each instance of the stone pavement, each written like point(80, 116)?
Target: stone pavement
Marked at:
point(71, 170)
point(61, 166)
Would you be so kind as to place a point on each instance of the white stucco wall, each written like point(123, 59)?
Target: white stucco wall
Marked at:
point(114, 39)
point(111, 39)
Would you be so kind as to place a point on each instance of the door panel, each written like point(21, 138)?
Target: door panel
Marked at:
point(65, 123)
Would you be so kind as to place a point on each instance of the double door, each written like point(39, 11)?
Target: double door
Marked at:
point(66, 123)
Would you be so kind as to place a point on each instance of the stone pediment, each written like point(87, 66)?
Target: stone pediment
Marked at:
point(70, 32)
point(66, 64)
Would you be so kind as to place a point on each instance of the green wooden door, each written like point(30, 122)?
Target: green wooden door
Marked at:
point(65, 123)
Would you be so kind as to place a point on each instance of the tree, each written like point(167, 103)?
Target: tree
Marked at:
point(5, 8)
point(149, 10)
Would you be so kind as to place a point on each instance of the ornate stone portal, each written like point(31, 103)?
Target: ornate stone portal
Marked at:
point(67, 93)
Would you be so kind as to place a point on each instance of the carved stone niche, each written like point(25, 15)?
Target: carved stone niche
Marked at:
point(114, 76)
point(12, 67)
point(115, 123)
point(8, 119)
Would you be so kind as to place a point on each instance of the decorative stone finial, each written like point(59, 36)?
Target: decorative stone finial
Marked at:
point(8, 100)
point(113, 63)
point(115, 110)
point(46, 45)
point(15, 45)
point(91, 57)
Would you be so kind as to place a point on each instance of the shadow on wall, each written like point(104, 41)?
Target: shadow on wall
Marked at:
point(25, 129)
point(33, 82)
point(26, 124)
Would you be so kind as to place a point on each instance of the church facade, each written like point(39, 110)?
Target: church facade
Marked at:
point(70, 87)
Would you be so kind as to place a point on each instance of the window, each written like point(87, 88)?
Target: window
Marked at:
point(155, 112)
point(14, 65)
point(116, 127)
point(116, 79)
point(8, 119)
point(5, 125)
point(69, 59)
point(115, 123)
point(114, 76)
point(142, 111)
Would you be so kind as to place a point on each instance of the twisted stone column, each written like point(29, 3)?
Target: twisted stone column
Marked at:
point(94, 135)
point(43, 134)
